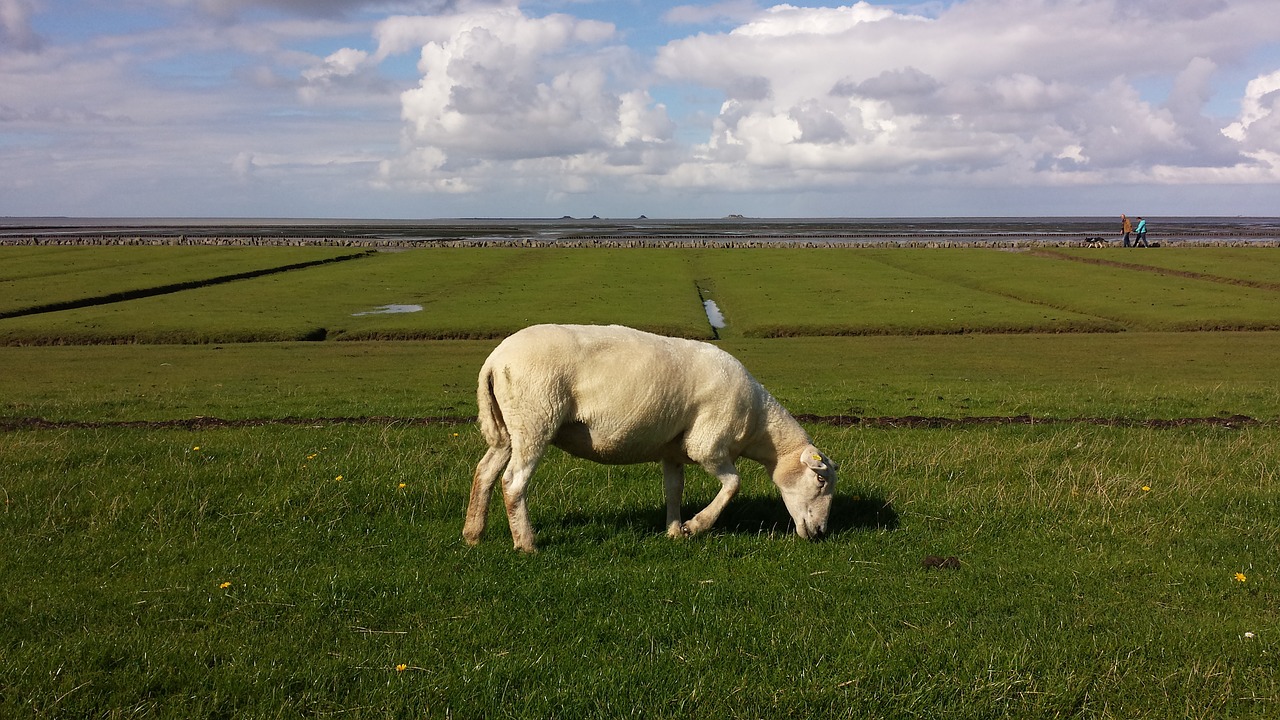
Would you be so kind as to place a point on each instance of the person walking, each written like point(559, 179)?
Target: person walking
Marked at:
point(1126, 227)
point(1141, 238)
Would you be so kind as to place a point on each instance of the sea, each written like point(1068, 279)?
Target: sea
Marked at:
point(604, 231)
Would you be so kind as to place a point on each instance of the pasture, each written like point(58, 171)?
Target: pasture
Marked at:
point(763, 293)
point(198, 526)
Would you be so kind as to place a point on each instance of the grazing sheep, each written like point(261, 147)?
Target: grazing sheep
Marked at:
point(619, 396)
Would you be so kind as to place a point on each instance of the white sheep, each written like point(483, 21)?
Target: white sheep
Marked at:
point(619, 396)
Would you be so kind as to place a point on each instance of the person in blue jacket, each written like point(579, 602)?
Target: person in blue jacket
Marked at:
point(1140, 240)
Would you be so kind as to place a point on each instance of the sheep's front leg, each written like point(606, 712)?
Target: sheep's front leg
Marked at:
point(673, 487)
point(729, 482)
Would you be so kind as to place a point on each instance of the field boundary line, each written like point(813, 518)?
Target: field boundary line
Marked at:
point(939, 422)
point(1116, 325)
point(903, 422)
point(1189, 274)
point(171, 288)
point(201, 422)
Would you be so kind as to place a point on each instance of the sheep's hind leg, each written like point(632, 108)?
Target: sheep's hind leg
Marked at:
point(515, 482)
point(482, 489)
point(673, 487)
point(729, 482)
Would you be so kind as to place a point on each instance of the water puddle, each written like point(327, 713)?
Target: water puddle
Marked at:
point(390, 310)
point(714, 316)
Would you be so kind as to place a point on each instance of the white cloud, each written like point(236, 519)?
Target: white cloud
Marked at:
point(790, 21)
point(1261, 103)
point(1031, 92)
point(500, 88)
point(339, 67)
point(185, 119)
point(488, 103)
point(999, 91)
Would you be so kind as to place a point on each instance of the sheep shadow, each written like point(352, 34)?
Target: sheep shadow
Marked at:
point(749, 515)
point(765, 514)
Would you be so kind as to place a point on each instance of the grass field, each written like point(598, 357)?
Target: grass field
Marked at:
point(1222, 262)
point(763, 293)
point(46, 278)
point(307, 562)
point(318, 571)
point(463, 294)
point(1119, 375)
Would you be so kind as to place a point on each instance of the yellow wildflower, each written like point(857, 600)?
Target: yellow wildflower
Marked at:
point(401, 486)
point(1240, 577)
point(339, 478)
point(224, 586)
point(195, 449)
point(1146, 488)
point(401, 667)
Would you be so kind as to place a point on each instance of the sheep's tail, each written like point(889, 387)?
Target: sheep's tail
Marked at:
point(492, 425)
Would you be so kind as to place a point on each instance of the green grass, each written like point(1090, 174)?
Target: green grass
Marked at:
point(310, 566)
point(1233, 263)
point(1128, 375)
point(782, 292)
point(463, 293)
point(41, 277)
point(1132, 299)
point(1079, 593)
point(763, 293)
point(264, 380)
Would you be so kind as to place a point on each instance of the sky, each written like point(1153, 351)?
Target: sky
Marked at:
point(504, 108)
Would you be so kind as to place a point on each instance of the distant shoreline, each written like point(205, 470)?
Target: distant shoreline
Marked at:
point(1007, 233)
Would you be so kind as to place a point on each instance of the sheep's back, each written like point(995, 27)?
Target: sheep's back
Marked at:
point(615, 394)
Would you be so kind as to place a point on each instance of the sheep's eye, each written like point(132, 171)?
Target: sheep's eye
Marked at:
point(822, 481)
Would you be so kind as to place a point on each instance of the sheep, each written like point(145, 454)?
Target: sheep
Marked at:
point(619, 396)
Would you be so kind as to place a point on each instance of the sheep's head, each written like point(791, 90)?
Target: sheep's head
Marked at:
point(807, 482)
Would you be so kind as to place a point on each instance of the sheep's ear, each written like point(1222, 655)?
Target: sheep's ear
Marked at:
point(814, 458)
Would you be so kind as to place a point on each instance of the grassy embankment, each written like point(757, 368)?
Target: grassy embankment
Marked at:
point(317, 569)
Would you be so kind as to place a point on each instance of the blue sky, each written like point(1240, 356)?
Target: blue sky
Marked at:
point(499, 108)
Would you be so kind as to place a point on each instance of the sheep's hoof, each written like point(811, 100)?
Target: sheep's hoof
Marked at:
point(686, 531)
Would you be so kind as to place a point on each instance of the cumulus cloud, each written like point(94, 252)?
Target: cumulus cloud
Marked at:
point(501, 88)
point(1042, 91)
point(998, 91)
point(340, 67)
point(1260, 110)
